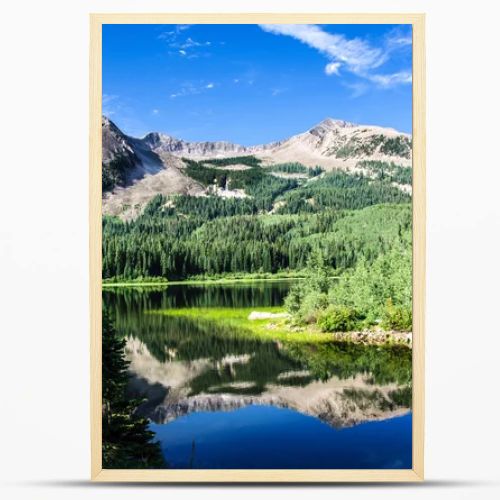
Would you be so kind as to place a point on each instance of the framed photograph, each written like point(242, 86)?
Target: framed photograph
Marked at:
point(257, 247)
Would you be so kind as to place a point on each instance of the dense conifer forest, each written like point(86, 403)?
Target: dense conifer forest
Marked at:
point(349, 226)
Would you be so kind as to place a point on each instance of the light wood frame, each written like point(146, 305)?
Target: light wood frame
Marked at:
point(242, 476)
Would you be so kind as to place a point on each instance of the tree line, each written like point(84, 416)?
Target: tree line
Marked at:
point(175, 245)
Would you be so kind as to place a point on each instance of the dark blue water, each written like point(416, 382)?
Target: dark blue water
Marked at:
point(265, 437)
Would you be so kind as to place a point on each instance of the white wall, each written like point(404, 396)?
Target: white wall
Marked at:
point(44, 441)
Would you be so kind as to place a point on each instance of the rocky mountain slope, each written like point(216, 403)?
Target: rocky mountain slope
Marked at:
point(135, 170)
point(196, 150)
point(330, 144)
point(125, 159)
point(133, 173)
point(338, 144)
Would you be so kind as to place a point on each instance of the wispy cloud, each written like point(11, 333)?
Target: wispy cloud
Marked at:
point(189, 43)
point(247, 78)
point(190, 88)
point(332, 68)
point(122, 111)
point(391, 79)
point(353, 55)
point(358, 88)
point(176, 30)
point(183, 45)
point(398, 38)
point(110, 104)
point(244, 80)
point(277, 91)
point(356, 54)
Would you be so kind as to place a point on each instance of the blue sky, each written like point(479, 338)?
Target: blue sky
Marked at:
point(253, 84)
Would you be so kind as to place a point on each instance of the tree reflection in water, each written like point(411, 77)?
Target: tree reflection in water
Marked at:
point(183, 364)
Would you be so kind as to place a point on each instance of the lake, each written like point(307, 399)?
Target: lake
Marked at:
point(217, 399)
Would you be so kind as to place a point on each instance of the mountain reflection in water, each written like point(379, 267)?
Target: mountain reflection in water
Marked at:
point(182, 365)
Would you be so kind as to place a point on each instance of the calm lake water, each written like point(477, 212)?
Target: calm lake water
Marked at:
point(216, 400)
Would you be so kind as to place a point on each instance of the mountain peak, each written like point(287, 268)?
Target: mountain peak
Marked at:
point(108, 124)
point(155, 139)
point(331, 123)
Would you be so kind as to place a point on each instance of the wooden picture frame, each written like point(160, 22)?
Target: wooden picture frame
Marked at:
point(243, 476)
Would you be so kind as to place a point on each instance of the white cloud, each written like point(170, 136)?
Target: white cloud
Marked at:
point(110, 104)
point(398, 38)
point(155, 111)
point(332, 68)
point(400, 41)
point(357, 56)
point(358, 88)
point(178, 29)
point(185, 90)
point(190, 88)
point(108, 97)
point(392, 79)
point(189, 47)
point(277, 91)
point(189, 43)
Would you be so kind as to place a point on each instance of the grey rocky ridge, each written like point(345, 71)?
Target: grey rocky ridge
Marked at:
point(136, 169)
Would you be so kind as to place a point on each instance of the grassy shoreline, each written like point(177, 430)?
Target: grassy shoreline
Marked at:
point(280, 329)
point(201, 281)
point(262, 329)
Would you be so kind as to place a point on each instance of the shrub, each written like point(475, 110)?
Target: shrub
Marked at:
point(312, 305)
point(338, 319)
point(397, 317)
point(294, 299)
point(398, 146)
point(305, 305)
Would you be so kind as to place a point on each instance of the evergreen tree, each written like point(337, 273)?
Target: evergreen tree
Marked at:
point(126, 440)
